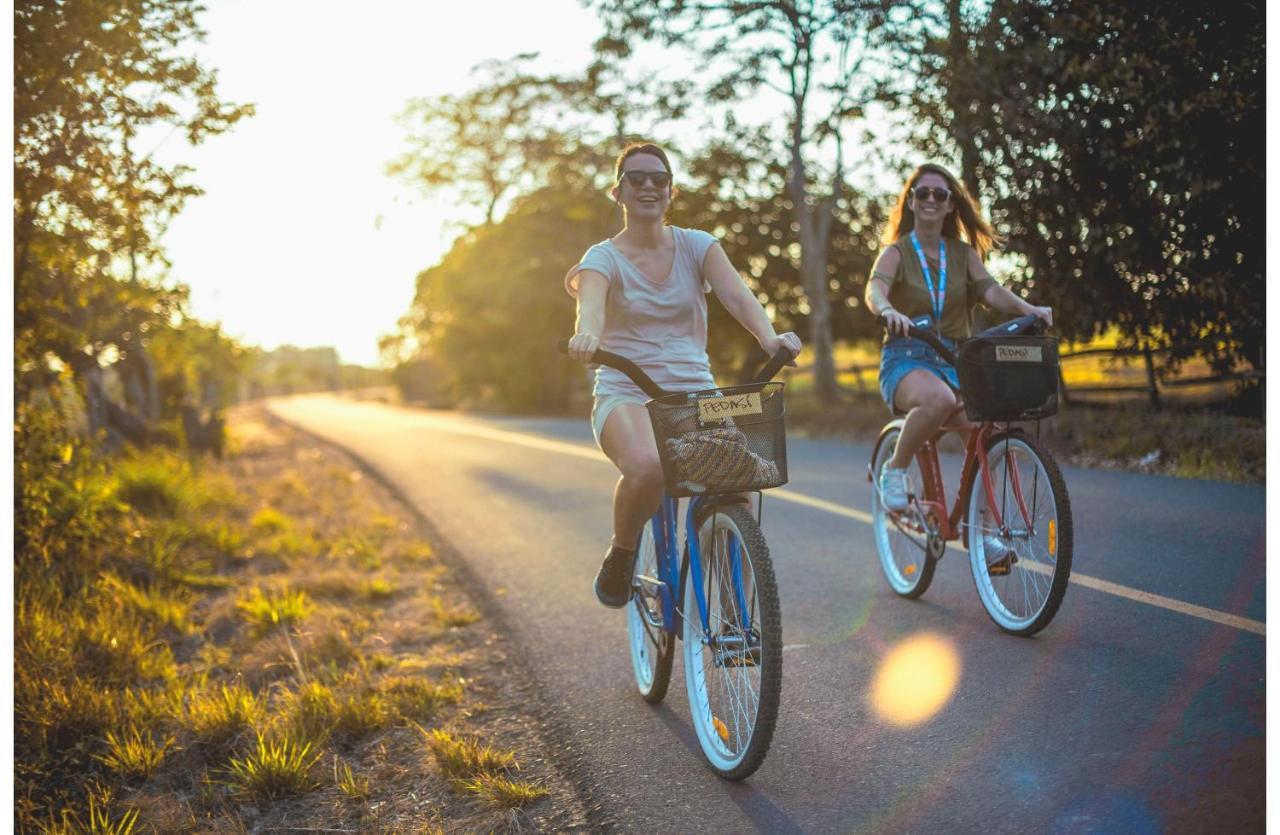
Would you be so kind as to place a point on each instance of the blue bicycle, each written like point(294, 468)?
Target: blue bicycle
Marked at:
point(717, 592)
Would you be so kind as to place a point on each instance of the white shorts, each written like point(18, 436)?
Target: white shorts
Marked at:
point(604, 406)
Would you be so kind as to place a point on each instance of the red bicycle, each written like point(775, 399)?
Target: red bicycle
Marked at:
point(1012, 509)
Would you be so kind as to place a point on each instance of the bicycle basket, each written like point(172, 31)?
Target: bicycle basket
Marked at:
point(725, 440)
point(1007, 378)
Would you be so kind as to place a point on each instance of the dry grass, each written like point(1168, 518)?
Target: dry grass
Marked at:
point(204, 634)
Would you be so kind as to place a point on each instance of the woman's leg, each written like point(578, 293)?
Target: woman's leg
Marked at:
point(928, 402)
point(627, 438)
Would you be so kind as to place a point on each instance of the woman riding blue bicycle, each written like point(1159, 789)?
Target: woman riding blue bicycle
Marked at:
point(932, 266)
point(642, 294)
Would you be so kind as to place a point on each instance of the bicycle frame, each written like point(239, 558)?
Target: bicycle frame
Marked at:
point(935, 494)
point(666, 586)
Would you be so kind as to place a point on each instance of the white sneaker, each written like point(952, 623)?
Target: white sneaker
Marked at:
point(895, 489)
point(999, 556)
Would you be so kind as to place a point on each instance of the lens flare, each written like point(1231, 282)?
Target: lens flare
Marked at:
point(915, 680)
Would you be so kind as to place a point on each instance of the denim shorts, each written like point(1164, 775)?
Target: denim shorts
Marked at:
point(902, 355)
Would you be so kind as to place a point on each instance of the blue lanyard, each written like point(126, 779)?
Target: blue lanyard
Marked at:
point(937, 298)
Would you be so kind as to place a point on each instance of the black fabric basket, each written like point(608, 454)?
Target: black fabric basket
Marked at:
point(1005, 378)
point(726, 440)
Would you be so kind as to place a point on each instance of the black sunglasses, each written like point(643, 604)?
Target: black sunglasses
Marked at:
point(939, 195)
point(661, 179)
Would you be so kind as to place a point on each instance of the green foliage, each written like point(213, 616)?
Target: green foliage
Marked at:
point(273, 768)
point(488, 316)
point(89, 208)
point(355, 787)
point(420, 699)
point(1122, 146)
point(499, 791)
point(462, 759)
point(217, 719)
point(268, 609)
point(135, 753)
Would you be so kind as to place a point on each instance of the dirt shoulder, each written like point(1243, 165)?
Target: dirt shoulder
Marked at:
point(392, 611)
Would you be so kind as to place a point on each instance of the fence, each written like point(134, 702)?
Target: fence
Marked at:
point(1121, 388)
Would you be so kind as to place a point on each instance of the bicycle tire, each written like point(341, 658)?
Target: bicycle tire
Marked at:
point(1042, 548)
point(755, 659)
point(652, 649)
point(906, 559)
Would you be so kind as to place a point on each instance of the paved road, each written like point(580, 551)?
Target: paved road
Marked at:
point(1140, 709)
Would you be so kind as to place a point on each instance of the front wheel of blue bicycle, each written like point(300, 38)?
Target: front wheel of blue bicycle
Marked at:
point(652, 647)
point(733, 666)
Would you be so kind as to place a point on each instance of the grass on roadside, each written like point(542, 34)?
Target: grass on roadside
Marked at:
point(152, 650)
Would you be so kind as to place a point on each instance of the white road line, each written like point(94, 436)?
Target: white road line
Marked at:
point(591, 454)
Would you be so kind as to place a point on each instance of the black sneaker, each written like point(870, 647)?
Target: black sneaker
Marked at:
point(613, 582)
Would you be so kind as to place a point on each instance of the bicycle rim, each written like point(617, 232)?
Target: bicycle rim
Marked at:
point(901, 538)
point(733, 671)
point(651, 646)
point(1026, 598)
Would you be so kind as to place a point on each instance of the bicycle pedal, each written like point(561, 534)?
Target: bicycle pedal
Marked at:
point(733, 649)
point(1002, 566)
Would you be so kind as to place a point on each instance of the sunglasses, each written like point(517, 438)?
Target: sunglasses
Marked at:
point(939, 195)
point(661, 179)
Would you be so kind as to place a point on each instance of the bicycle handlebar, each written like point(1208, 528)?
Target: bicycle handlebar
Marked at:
point(649, 387)
point(1021, 325)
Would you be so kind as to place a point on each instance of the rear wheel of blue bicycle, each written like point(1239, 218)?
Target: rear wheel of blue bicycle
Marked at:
point(652, 647)
point(733, 666)
point(907, 555)
point(1020, 567)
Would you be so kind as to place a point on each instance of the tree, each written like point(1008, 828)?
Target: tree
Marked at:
point(89, 210)
point(486, 143)
point(486, 319)
point(813, 54)
point(1123, 144)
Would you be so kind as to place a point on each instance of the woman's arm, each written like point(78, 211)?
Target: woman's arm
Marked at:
point(1000, 298)
point(593, 290)
point(877, 295)
point(742, 304)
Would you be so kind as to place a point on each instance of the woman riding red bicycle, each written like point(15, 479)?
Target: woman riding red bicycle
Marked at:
point(932, 266)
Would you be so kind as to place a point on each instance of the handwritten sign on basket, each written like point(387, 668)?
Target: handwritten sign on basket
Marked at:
point(1019, 353)
point(712, 409)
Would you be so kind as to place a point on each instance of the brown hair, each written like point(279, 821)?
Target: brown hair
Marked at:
point(640, 148)
point(965, 222)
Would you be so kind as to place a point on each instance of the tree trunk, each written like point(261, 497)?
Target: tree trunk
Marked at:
point(959, 74)
point(814, 233)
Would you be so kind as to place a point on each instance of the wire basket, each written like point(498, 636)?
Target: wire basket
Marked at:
point(726, 440)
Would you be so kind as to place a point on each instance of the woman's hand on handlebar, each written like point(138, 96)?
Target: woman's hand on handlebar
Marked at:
point(786, 340)
point(1044, 314)
point(895, 323)
point(582, 346)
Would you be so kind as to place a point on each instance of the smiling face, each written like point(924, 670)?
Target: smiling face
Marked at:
point(646, 198)
point(924, 200)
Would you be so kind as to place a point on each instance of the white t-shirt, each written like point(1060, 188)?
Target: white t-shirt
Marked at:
point(661, 326)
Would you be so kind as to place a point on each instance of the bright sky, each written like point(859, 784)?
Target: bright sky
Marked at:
point(300, 237)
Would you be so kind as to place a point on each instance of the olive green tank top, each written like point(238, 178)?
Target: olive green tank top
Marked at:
point(909, 294)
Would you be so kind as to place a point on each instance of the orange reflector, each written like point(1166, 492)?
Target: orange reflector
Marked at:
point(720, 728)
point(909, 570)
point(1053, 537)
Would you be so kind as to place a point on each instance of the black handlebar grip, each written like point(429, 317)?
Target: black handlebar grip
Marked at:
point(626, 366)
point(928, 337)
point(774, 365)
